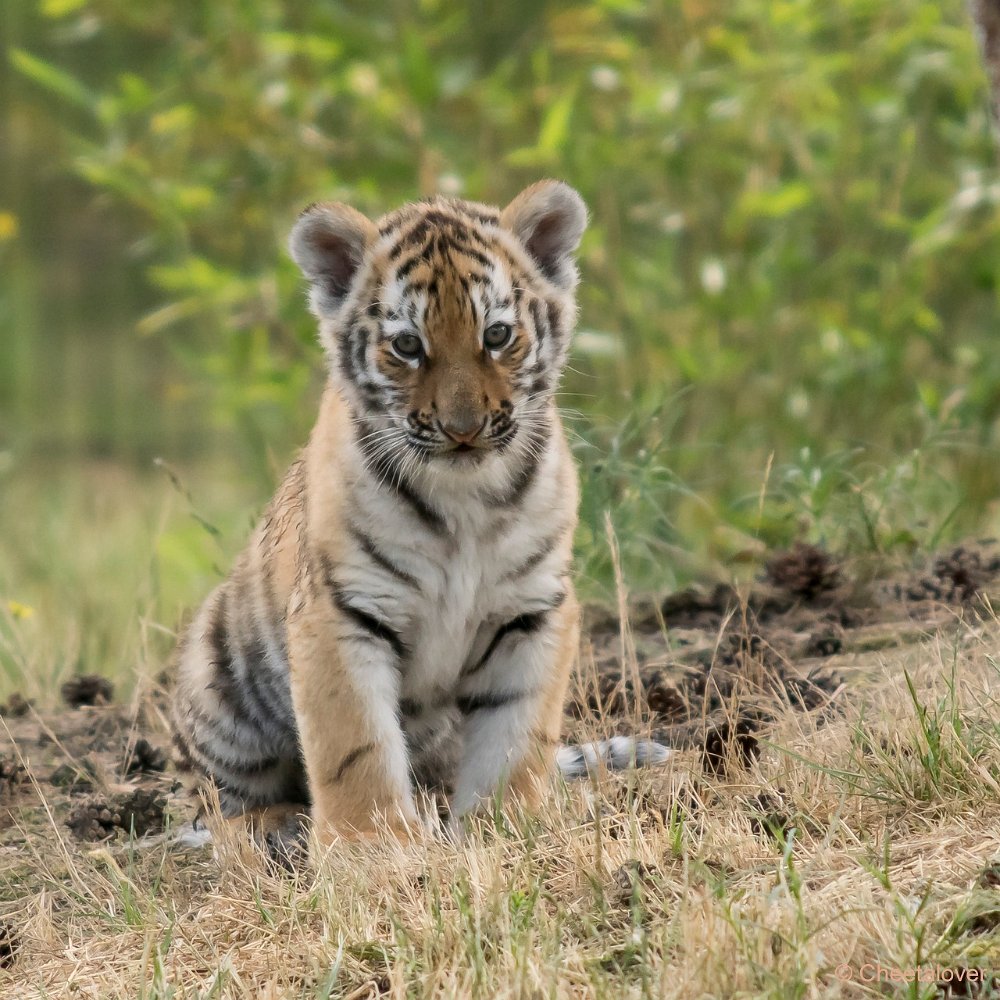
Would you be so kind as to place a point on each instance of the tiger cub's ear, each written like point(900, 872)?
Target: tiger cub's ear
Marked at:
point(549, 218)
point(328, 243)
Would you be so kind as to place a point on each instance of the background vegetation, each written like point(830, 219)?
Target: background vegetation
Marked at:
point(790, 291)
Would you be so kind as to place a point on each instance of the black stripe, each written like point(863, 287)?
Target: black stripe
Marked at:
point(239, 769)
point(436, 217)
point(381, 559)
point(430, 286)
point(526, 623)
point(353, 350)
point(471, 252)
point(521, 484)
point(275, 615)
point(388, 472)
point(489, 701)
point(241, 691)
point(351, 759)
point(396, 219)
point(404, 269)
point(411, 238)
point(371, 624)
point(541, 323)
point(276, 626)
point(410, 707)
point(267, 690)
point(526, 475)
point(345, 348)
point(184, 761)
point(360, 352)
point(534, 559)
point(553, 315)
point(260, 697)
point(540, 385)
point(224, 681)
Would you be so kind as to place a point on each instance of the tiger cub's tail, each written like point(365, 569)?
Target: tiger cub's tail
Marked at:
point(616, 754)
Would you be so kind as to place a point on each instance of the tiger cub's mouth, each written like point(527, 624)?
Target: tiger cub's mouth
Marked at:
point(466, 454)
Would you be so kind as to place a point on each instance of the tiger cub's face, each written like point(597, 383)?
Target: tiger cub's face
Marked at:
point(447, 322)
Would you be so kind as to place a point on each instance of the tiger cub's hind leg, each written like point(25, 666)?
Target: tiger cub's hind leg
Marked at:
point(230, 730)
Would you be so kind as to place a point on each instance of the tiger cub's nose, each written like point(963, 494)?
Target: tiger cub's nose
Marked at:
point(463, 430)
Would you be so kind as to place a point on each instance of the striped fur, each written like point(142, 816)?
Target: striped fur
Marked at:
point(403, 616)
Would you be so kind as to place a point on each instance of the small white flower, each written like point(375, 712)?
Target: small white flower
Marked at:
point(597, 343)
point(605, 78)
point(971, 177)
point(713, 276)
point(363, 80)
point(673, 223)
point(798, 404)
point(968, 197)
point(885, 112)
point(831, 340)
point(725, 108)
point(450, 184)
point(669, 100)
point(275, 94)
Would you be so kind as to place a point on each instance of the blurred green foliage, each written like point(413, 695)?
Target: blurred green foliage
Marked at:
point(790, 283)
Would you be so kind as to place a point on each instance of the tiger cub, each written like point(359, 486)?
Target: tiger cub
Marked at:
point(403, 619)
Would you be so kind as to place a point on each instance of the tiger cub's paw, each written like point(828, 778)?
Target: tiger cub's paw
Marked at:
point(278, 835)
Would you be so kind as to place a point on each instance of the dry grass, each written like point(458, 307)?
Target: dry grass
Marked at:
point(855, 839)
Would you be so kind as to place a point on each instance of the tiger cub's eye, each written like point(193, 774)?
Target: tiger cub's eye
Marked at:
point(497, 336)
point(407, 346)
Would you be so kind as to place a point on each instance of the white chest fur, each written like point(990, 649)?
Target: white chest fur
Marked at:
point(467, 579)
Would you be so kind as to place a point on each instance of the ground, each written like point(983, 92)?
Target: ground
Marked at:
point(827, 826)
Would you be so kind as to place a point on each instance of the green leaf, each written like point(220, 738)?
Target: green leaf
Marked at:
point(555, 125)
point(53, 79)
point(61, 8)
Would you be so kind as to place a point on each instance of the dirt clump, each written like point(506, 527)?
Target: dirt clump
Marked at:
point(76, 777)
point(17, 706)
point(99, 817)
point(12, 776)
point(804, 571)
point(87, 689)
point(143, 758)
point(989, 877)
point(955, 577)
point(712, 664)
point(10, 944)
point(630, 881)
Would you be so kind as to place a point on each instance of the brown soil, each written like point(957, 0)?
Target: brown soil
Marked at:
point(712, 665)
point(96, 777)
point(10, 943)
point(88, 689)
point(99, 817)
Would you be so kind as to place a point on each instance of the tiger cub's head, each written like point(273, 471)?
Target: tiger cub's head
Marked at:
point(447, 322)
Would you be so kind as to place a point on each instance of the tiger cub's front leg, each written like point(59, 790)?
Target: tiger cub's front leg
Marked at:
point(344, 668)
point(512, 700)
